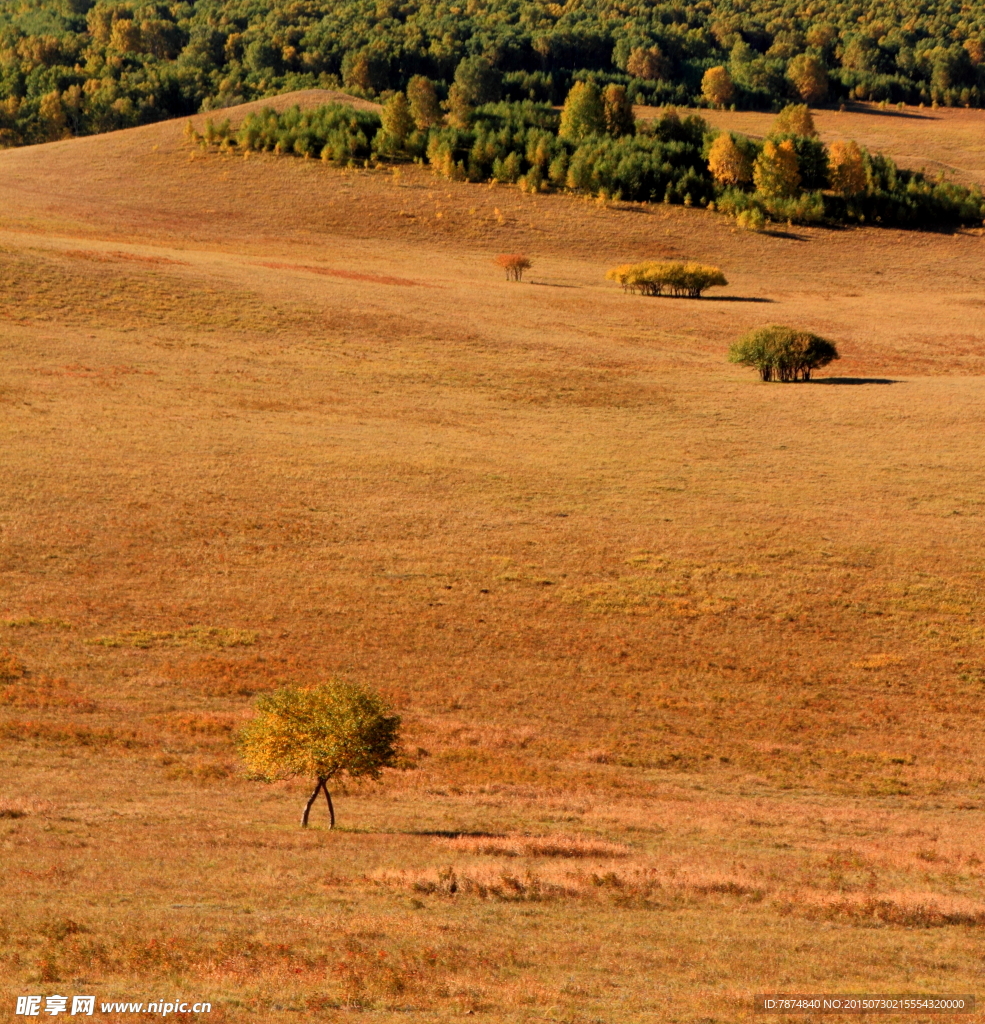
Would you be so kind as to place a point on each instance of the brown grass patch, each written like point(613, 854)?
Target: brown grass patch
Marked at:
point(536, 846)
point(23, 730)
point(103, 256)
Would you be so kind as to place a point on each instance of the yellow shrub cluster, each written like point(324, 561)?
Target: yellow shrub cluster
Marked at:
point(678, 279)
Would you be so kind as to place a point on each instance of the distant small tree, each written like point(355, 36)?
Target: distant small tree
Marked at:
point(618, 110)
point(809, 76)
point(648, 64)
point(397, 119)
point(776, 172)
point(782, 353)
point(727, 163)
point(323, 733)
point(424, 106)
point(846, 168)
point(717, 87)
point(794, 119)
point(583, 113)
point(514, 264)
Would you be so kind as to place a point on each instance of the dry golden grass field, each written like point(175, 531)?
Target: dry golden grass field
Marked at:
point(692, 668)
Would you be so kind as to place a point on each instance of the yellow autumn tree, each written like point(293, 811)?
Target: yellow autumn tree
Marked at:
point(808, 75)
point(846, 168)
point(776, 173)
point(717, 87)
point(794, 119)
point(649, 64)
point(323, 733)
point(727, 163)
point(423, 99)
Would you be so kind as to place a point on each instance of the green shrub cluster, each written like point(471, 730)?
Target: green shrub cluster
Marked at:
point(332, 132)
point(679, 279)
point(82, 66)
point(782, 353)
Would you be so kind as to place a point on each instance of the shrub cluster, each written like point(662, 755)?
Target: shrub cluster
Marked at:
point(678, 279)
point(514, 263)
point(782, 353)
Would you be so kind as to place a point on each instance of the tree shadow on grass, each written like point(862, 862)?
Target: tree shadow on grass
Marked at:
point(855, 380)
point(734, 298)
point(550, 284)
point(789, 235)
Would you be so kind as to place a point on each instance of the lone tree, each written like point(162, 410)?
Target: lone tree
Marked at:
point(782, 353)
point(323, 733)
point(514, 263)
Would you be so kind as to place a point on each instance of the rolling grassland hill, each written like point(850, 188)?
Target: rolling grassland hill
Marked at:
point(692, 668)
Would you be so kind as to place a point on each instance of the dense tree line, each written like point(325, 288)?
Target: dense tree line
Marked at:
point(592, 147)
point(79, 66)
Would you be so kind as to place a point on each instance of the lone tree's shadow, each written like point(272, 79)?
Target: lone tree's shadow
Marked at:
point(854, 380)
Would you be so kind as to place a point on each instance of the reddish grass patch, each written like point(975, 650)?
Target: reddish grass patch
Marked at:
point(349, 275)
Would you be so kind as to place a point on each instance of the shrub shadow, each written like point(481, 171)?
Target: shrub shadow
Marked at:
point(888, 112)
point(734, 298)
point(854, 380)
point(789, 235)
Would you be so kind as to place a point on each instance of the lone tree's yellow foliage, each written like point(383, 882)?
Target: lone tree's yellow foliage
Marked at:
point(717, 87)
point(794, 119)
point(776, 172)
point(846, 168)
point(727, 163)
point(678, 279)
point(322, 733)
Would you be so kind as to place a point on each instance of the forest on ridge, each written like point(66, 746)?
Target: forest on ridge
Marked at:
point(71, 67)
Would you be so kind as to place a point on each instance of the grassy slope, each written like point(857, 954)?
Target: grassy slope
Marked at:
point(619, 591)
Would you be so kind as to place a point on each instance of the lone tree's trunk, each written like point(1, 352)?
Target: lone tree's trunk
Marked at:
point(321, 785)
